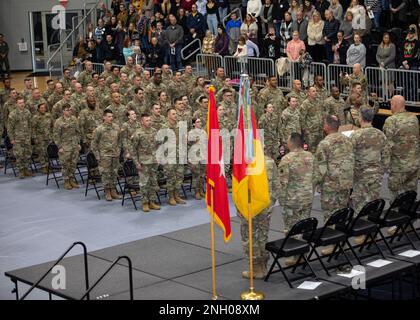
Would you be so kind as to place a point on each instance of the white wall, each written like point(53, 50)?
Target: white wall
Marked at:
point(14, 24)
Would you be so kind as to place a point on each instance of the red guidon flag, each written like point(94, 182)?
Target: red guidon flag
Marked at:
point(215, 171)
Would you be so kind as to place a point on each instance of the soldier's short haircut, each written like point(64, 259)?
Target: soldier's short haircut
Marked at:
point(124, 73)
point(271, 77)
point(169, 110)
point(290, 98)
point(226, 91)
point(296, 139)
point(332, 121)
point(94, 74)
point(127, 114)
point(40, 105)
point(136, 90)
point(49, 81)
point(318, 76)
point(367, 113)
point(66, 106)
point(115, 67)
point(19, 98)
point(201, 98)
point(155, 104)
point(27, 79)
point(66, 69)
point(160, 92)
point(177, 99)
point(101, 78)
point(144, 115)
point(356, 84)
point(36, 88)
point(266, 105)
point(106, 111)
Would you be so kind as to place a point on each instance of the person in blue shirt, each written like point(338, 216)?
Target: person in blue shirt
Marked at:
point(233, 31)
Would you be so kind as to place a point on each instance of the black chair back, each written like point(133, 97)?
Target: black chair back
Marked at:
point(371, 209)
point(7, 143)
point(91, 161)
point(342, 217)
point(130, 169)
point(52, 151)
point(415, 210)
point(306, 226)
point(403, 203)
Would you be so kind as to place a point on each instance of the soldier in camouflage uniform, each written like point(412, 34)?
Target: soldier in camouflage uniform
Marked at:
point(402, 132)
point(261, 225)
point(333, 168)
point(164, 102)
point(137, 103)
point(158, 120)
point(124, 87)
point(127, 131)
point(256, 106)
point(146, 79)
point(321, 91)
point(197, 143)
point(270, 123)
point(78, 100)
point(85, 77)
point(181, 113)
point(218, 81)
point(137, 72)
point(188, 78)
point(335, 106)
point(187, 104)
point(94, 82)
point(136, 83)
point(89, 119)
point(107, 70)
point(34, 101)
point(129, 67)
point(42, 125)
point(231, 108)
point(176, 87)
point(174, 171)
point(227, 85)
point(19, 131)
point(57, 109)
point(311, 115)
point(50, 89)
point(201, 113)
point(118, 109)
point(151, 92)
point(272, 94)
point(198, 91)
point(371, 160)
point(297, 92)
point(67, 138)
point(27, 92)
point(101, 93)
point(114, 77)
point(356, 77)
point(296, 184)
point(9, 106)
point(166, 75)
point(226, 125)
point(144, 156)
point(56, 96)
point(66, 80)
point(105, 146)
point(290, 121)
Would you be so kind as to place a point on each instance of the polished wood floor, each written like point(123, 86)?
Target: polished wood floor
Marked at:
point(18, 77)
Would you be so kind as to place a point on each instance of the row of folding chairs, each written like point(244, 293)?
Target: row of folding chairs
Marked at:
point(305, 237)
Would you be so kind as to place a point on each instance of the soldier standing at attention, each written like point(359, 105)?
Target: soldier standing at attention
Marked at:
point(34, 101)
point(151, 92)
point(89, 119)
point(335, 106)
point(321, 91)
point(105, 146)
point(144, 156)
point(290, 121)
point(296, 184)
point(196, 159)
point(67, 138)
point(158, 120)
point(42, 124)
point(19, 131)
point(402, 132)
point(50, 89)
point(261, 225)
point(272, 94)
point(270, 123)
point(297, 92)
point(85, 77)
point(311, 115)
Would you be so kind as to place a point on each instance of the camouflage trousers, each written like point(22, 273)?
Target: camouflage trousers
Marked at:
point(365, 189)
point(22, 150)
point(148, 183)
point(198, 174)
point(399, 182)
point(174, 176)
point(260, 228)
point(313, 139)
point(292, 215)
point(68, 160)
point(108, 167)
point(332, 200)
point(40, 149)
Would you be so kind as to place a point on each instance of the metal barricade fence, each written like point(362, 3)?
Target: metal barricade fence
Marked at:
point(98, 68)
point(207, 65)
point(307, 74)
point(405, 83)
point(377, 82)
point(257, 68)
point(333, 77)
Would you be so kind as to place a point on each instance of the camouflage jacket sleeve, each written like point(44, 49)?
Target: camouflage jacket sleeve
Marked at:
point(385, 156)
point(11, 126)
point(94, 145)
point(320, 164)
point(273, 178)
point(283, 178)
point(57, 133)
point(134, 148)
point(388, 129)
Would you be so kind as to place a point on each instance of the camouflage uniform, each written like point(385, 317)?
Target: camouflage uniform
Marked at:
point(261, 223)
point(322, 94)
point(196, 93)
point(112, 79)
point(129, 70)
point(105, 146)
point(312, 123)
point(47, 94)
point(197, 160)
point(296, 186)
point(219, 95)
point(371, 161)
point(361, 78)
point(274, 96)
point(85, 77)
point(78, 103)
point(42, 124)
point(256, 106)
point(402, 132)
point(8, 107)
point(165, 106)
point(231, 110)
point(300, 96)
point(53, 99)
point(19, 130)
point(119, 112)
point(128, 129)
point(290, 123)
point(202, 115)
point(26, 94)
point(269, 122)
point(157, 122)
point(102, 95)
point(124, 90)
point(184, 115)
point(151, 93)
point(106, 74)
point(57, 109)
point(89, 120)
point(32, 105)
point(67, 137)
point(138, 106)
point(189, 80)
point(66, 83)
point(176, 89)
point(335, 107)
point(333, 172)
point(166, 78)
point(217, 83)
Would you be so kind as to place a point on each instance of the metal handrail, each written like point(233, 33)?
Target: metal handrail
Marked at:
point(130, 276)
point(73, 40)
point(57, 261)
point(228, 16)
point(63, 43)
point(192, 53)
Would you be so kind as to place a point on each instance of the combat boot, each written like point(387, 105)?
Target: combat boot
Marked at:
point(67, 184)
point(198, 195)
point(360, 239)
point(27, 173)
point(108, 196)
point(22, 174)
point(327, 251)
point(178, 199)
point(259, 272)
point(114, 194)
point(154, 206)
point(45, 170)
point(74, 184)
point(145, 207)
point(171, 200)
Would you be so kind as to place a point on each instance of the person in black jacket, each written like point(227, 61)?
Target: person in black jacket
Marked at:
point(340, 48)
point(271, 45)
point(154, 54)
point(280, 7)
point(321, 6)
point(110, 50)
point(329, 32)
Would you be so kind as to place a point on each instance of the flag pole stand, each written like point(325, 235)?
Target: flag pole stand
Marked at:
point(251, 294)
point(213, 258)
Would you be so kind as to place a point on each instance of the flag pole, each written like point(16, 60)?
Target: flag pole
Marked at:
point(251, 294)
point(213, 258)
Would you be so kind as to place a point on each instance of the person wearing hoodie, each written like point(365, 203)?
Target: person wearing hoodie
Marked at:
point(356, 52)
point(233, 30)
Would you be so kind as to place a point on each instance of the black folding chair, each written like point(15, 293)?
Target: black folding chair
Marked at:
point(93, 178)
point(414, 215)
point(9, 158)
point(328, 235)
point(290, 246)
point(361, 226)
point(82, 164)
point(130, 172)
point(54, 165)
point(398, 214)
point(187, 183)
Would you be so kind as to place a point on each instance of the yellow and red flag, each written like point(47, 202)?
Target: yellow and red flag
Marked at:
point(215, 171)
point(249, 176)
